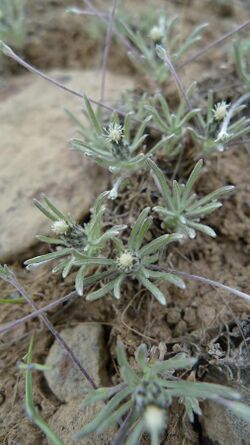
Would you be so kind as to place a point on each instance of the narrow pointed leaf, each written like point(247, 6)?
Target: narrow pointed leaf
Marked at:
point(136, 433)
point(192, 179)
point(141, 356)
point(106, 411)
point(177, 281)
point(153, 289)
point(48, 256)
point(121, 355)
point(159, 243)
point(54, 209)
point(137, 227)
point(117, 287)
point(48, 240)
point(30, 407)
point(202, 228)
point(238, 408)
point(115, 417)
point(44, 210)
point(174, 364)
point(162, 182)
point(95, 395)
point(79, 280)
point(92, 116)
point(209, 208)
point(101, 292)
point(215, 195)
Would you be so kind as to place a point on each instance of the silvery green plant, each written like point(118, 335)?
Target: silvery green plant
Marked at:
point(132, 259)
point(242, 56)
point(115, 145)
point(13, 27)
point(164, 33)
point(136, 104)
point(171, 124)
point(217, 130)
point(145, 394)
point(74, 241)
point(181, 209)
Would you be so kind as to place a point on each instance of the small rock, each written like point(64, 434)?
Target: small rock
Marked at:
point(190, 316)
point(181, 328)
point(35, 154)
point(206, 314)
point(87, 343)
point(173, 315)
point(220, 426)
point(70, 419)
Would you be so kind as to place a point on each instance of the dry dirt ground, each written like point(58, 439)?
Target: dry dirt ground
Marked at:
point(53, 42)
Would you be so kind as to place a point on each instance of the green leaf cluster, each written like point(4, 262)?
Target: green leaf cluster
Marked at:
point(134, 259)
point(163, 32)
point(181, 209)
point(78, 243)
point(114, 145)
point(146, 392)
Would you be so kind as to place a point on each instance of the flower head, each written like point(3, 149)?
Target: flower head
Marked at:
point(127, 261)
point(220, 110)
point(156, 33)
point(155, 418)
point(114, 132)
point(60, 227)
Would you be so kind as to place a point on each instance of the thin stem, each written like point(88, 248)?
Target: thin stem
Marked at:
point(13, 325)
point(10, 53)
point(104, 19)
point(107, 48)
point(119, 437)
point(211, 45)
point(204, 280)
point(179, 84)
point(178, 81)
point(13, 280)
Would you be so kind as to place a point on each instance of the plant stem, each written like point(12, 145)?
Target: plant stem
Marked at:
point(204, 280)
point(13, 280)
point(107, 48)
point(211, 45)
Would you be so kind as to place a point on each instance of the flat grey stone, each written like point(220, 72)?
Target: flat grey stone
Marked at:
point(87, 342)
point(35, 154)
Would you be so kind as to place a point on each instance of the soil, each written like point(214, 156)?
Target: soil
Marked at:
point(53, 42)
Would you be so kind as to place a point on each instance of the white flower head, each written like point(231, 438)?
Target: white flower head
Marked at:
point(127, 261)
point(114, 132)
point(60, 227)
point(220, 110)
point(156, 33)
point(155, 418)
